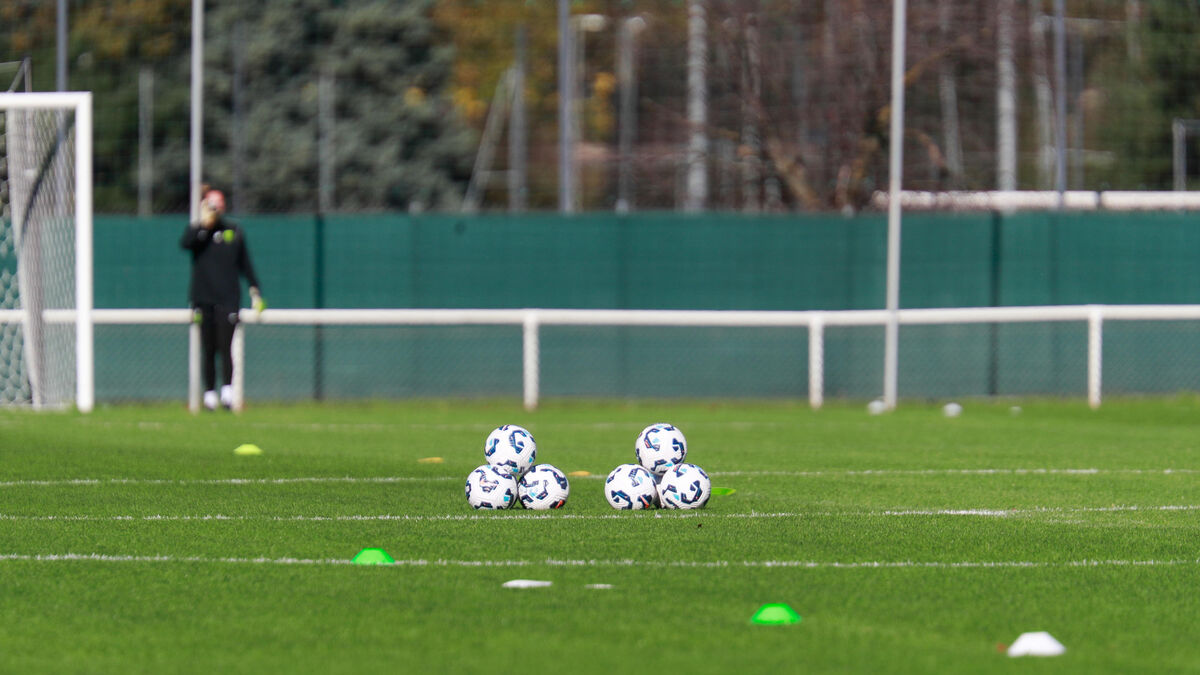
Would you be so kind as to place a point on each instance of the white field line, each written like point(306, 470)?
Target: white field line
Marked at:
point(393, 426)
point(225, 481)
point(958, 472)
point(519, 516)
point(718, 474)
point(551, 562)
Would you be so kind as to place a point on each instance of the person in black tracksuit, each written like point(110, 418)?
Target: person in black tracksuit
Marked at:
point(219, 257)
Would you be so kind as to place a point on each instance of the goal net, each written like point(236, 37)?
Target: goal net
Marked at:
point(45, 245)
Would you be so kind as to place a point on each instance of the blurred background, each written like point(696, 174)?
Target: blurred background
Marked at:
point(387, 105)
point(711, 154)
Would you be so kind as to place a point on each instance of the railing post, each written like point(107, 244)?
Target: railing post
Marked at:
point(194, 366)
point(239, 367)
point(1095, 354)
point(530, 358)
point(816, 361)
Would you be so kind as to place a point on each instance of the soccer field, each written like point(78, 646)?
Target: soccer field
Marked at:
point(134, 540)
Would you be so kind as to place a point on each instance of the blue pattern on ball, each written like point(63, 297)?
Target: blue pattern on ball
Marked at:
point(620, 497)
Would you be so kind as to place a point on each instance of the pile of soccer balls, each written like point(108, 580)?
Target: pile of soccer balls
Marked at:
point(510, 475)
point(661, 477)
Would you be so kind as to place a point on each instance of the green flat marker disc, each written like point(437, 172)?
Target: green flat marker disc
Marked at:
point(718, 491)
point(775, 614)
point(373, 556)
point(247, 449)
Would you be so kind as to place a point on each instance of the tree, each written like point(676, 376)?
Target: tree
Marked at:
point(399, 140)
point(1144, 90)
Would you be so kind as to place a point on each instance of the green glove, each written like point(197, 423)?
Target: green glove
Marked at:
point(256, 300)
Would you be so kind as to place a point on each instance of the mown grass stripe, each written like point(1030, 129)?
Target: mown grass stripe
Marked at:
point(584, 563)
point(70, 482)
point(522, 516)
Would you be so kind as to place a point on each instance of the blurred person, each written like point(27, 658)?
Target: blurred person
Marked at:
point(219, 257)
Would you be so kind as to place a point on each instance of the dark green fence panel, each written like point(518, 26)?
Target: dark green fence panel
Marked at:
point(665, 261)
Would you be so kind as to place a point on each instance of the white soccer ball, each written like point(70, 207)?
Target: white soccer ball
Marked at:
point(631, 487)
point(876, 407)
point(491, 488)
point(659, 447)
point(544, 487)
point(952, 410)
point(684, 486)
point(511, 448)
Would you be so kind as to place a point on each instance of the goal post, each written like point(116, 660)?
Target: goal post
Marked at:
point(46, 227)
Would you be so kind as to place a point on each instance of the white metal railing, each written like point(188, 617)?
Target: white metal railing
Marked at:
point(531, 321)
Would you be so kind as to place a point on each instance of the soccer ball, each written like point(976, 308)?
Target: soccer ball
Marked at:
point(659, 447)
point(684, 486)
point(631, 487)
point(511, 448)
point(491, 488)
point(543, 488)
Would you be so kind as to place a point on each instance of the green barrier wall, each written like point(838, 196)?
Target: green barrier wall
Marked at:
point(665, 261)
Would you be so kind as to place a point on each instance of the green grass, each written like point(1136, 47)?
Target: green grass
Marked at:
point(818, 495)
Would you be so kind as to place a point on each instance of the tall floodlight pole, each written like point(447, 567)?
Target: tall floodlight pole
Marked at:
point(697, 108)
point(566, 89)
point(194, 192)
point(197, 106)
point(1060, 102)
point(891, 349)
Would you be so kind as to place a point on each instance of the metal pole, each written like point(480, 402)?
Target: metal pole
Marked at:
point(627, 127)
point(948, 93)
point(1006, 99)
point(237, 126)
point(1076, 87)
point(197, 140)
point(696, 195)
point(1179, 156)
point(896, 165)
point(325, 141)
point(326, 165)
point(518, 189)
point(578, 91)
point(60, 65)
point(566, 89)
point(194, 188)
point(1060, 102)
point(145, 141)
point(319, 303)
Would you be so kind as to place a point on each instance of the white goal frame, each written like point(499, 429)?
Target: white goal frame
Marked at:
point(80, 102)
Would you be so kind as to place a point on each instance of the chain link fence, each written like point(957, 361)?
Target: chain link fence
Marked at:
point(365, 105)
